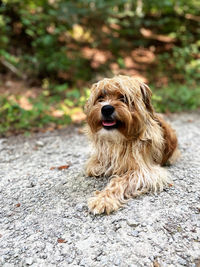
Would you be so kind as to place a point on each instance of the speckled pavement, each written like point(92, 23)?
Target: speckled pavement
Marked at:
point(44, 220)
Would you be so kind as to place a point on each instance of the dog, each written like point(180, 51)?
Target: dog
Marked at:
point(131, 142)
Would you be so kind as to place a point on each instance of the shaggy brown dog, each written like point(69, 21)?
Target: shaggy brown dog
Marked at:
point(130, 141)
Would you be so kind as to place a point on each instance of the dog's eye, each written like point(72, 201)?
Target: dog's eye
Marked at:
point(123, 99)
point(100, 98)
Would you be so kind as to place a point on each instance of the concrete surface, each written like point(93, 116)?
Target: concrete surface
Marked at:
point(44, 220)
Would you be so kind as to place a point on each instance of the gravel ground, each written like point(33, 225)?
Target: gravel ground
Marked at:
point(44, 220)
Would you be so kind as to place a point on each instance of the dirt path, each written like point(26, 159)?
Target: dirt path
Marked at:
point(44, 219)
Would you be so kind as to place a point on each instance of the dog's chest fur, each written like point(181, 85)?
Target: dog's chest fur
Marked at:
point(117, 156)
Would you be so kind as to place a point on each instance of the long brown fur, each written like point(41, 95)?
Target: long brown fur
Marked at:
point(133, 153)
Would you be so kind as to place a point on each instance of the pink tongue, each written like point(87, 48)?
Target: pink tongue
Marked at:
point(108, 123)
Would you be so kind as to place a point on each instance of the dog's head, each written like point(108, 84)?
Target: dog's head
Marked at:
point(122, 104)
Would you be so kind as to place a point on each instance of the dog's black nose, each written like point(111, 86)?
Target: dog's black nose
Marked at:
point(107, 110)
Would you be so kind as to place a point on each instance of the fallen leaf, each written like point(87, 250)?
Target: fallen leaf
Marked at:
point(61, 240)
point(63, 167)
point(78, 117)
point(160, 37)
point(24, 103)
point(18, 205)
point(52, 168)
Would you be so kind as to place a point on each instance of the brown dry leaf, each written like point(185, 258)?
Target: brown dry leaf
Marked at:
point(151, 35)
point(78, 117)
point(24, 103)
point(52, 168)
point(57, 113)
point(18, 205)
point(192, 17)
point(61, 240)
point(63, 167)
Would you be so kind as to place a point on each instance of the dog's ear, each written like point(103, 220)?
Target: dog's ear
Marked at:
point(146, 96)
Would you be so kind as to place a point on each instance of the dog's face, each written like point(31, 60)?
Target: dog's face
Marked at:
point(120, 104)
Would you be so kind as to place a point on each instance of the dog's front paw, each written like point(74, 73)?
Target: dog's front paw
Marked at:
point(101, 203)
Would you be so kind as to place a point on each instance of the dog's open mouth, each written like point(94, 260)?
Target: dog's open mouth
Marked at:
point(109, 124)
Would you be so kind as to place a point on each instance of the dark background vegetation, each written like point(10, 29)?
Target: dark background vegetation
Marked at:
point(51, 51)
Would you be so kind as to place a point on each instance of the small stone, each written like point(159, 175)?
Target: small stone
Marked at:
point(29, 261)
point(80, 207)
point(99, 258)
point(40, 143)
point(132, 223)
point(104, 262)
point(117, 262)
point(69, 260)
point(101, 229)
point(182, 262)
point(117, 227)
point(135, 233)
point(83, 262)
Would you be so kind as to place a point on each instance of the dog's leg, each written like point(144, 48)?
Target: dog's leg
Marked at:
point(111, 198)
point(93, 167)
point(130, 185)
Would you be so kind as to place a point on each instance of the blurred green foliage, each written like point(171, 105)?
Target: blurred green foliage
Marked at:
point(44, 38)
point(15, 119)
point(47, 40)
point(176, 98)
